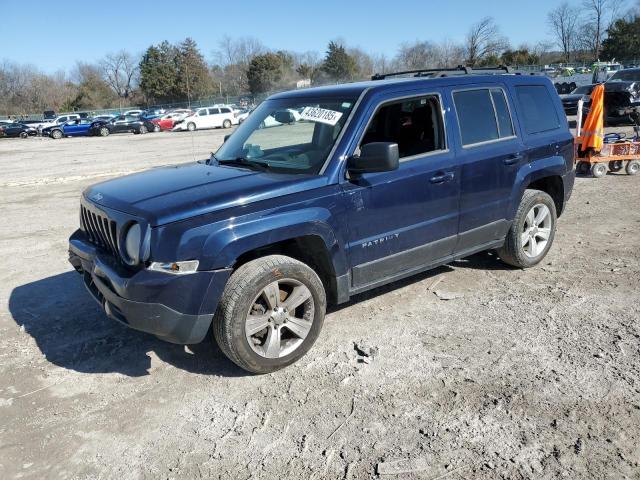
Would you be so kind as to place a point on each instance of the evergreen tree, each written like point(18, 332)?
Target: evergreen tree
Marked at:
point(338, 64)
point(623, 42)
point(158, 73)
point(265, 71)
point(192, 74)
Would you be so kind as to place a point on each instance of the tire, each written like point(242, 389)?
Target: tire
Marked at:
point(191, 126)
point(598, 170)
point(24, 135)
point(633, 167)
point(142, 130)
point(525, 245)
point(226, 124)
point(104, 132)
point(246, 292)
point(582, 168)
point(156, 128)
point(56, 134)
point(616, 165)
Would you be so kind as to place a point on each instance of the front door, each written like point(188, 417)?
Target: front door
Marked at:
point(399, 222)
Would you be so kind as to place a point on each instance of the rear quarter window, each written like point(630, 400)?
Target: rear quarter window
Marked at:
point(537, 110)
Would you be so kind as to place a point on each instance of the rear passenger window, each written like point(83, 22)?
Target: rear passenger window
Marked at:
point(415, 124)
point(537, 110)
point(505, 127)
point(483, 115)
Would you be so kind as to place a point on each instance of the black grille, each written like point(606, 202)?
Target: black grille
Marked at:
point(101, 231)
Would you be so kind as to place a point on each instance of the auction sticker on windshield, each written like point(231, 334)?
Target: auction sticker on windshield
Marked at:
point(322, 115)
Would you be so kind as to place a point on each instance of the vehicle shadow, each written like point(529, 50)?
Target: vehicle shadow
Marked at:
point(72, 331)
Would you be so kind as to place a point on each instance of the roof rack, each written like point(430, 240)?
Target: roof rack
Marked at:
point(444, 72)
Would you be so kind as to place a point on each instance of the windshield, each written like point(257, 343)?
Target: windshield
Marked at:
point(292, 135)
point(625, 76)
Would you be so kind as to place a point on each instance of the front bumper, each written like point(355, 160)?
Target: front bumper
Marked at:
point(175, 308)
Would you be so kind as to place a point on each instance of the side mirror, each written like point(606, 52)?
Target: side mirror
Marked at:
point(226, 137)
point(284, 116)
point(375, 157)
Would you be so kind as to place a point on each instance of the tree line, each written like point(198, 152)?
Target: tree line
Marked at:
point(170, 73)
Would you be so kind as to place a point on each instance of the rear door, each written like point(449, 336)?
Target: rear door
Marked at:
point(490, 153)
point(399, 222)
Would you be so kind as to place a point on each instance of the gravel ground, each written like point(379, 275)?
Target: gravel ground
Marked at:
point(474, 370)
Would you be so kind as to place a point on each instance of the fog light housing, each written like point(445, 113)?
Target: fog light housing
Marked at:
point(175, 268)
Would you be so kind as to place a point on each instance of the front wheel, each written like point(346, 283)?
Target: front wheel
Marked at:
point(598, 170)
point(270, 313)
point(57, 134)
point(143, 129)
point(532, 231)
point(104, 132)
point(191, 126)
point(156, 128)
point(226, 124)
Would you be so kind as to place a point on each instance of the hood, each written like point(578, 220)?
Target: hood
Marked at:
point(169, 194)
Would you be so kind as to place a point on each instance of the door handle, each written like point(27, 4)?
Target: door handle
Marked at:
point(512, 159)
point(442, 177)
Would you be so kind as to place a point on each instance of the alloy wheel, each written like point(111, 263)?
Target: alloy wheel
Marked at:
point(279, 318)
point(536, 230)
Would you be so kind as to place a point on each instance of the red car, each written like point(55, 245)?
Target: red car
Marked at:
point(166, 122)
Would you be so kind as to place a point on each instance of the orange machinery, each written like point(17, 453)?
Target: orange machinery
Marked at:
point(593, 153)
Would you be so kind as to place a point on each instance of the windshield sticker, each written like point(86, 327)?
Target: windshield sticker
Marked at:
point(321, 115)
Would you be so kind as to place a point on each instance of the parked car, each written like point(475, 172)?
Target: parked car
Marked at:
point(570, 100)
point(270, 120)
point(133, 113)
point(73, 128)
point(41, 125)
point(166, 122)
point(242, 114)
point(48, 114)
point(17, 130)
point(621, 98)
point(105, 117)
point(208, 117)
point(122, 124)
point(377, 181)
point(153, 112)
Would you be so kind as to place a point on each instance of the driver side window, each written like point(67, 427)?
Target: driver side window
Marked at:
point(415, 124)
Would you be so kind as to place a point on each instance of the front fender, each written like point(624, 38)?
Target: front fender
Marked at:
point(547, 167)
point(224, 246)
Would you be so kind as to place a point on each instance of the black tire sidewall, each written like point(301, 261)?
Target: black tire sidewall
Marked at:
point(630, 165)
point(250, 360)
point(539, 197)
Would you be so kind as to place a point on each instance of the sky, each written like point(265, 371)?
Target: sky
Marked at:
point(53, 36)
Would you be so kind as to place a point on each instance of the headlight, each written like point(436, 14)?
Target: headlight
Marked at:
point(176, 268)
point(132, 244)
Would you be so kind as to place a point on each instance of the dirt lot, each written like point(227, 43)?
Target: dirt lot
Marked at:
point(520, 374)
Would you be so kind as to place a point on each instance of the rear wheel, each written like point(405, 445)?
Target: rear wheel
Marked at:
point(532, 231)
point(24, 134)
point(598, 170)
point(57, 134)
point(143, 129)
point(633, 167)
point(270, 313)
point(616, 165)
point(156, 128)
point(104, 132)
point(191, 126)
point(226, 124)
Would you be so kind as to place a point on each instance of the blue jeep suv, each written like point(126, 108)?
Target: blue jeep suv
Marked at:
point(321, 194)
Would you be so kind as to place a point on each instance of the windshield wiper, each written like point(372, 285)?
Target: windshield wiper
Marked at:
point(245, 162)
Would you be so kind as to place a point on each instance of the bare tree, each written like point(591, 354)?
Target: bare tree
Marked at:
point(563, 22)
point(119, 70)
point(483, 40)
point(601, 14)
point(412, 56)
point(449, 54)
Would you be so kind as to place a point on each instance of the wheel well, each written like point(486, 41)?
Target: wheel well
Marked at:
point(310, 250)
point(553, 187)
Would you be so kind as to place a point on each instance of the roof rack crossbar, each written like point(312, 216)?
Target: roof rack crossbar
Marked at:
point(441, 72)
